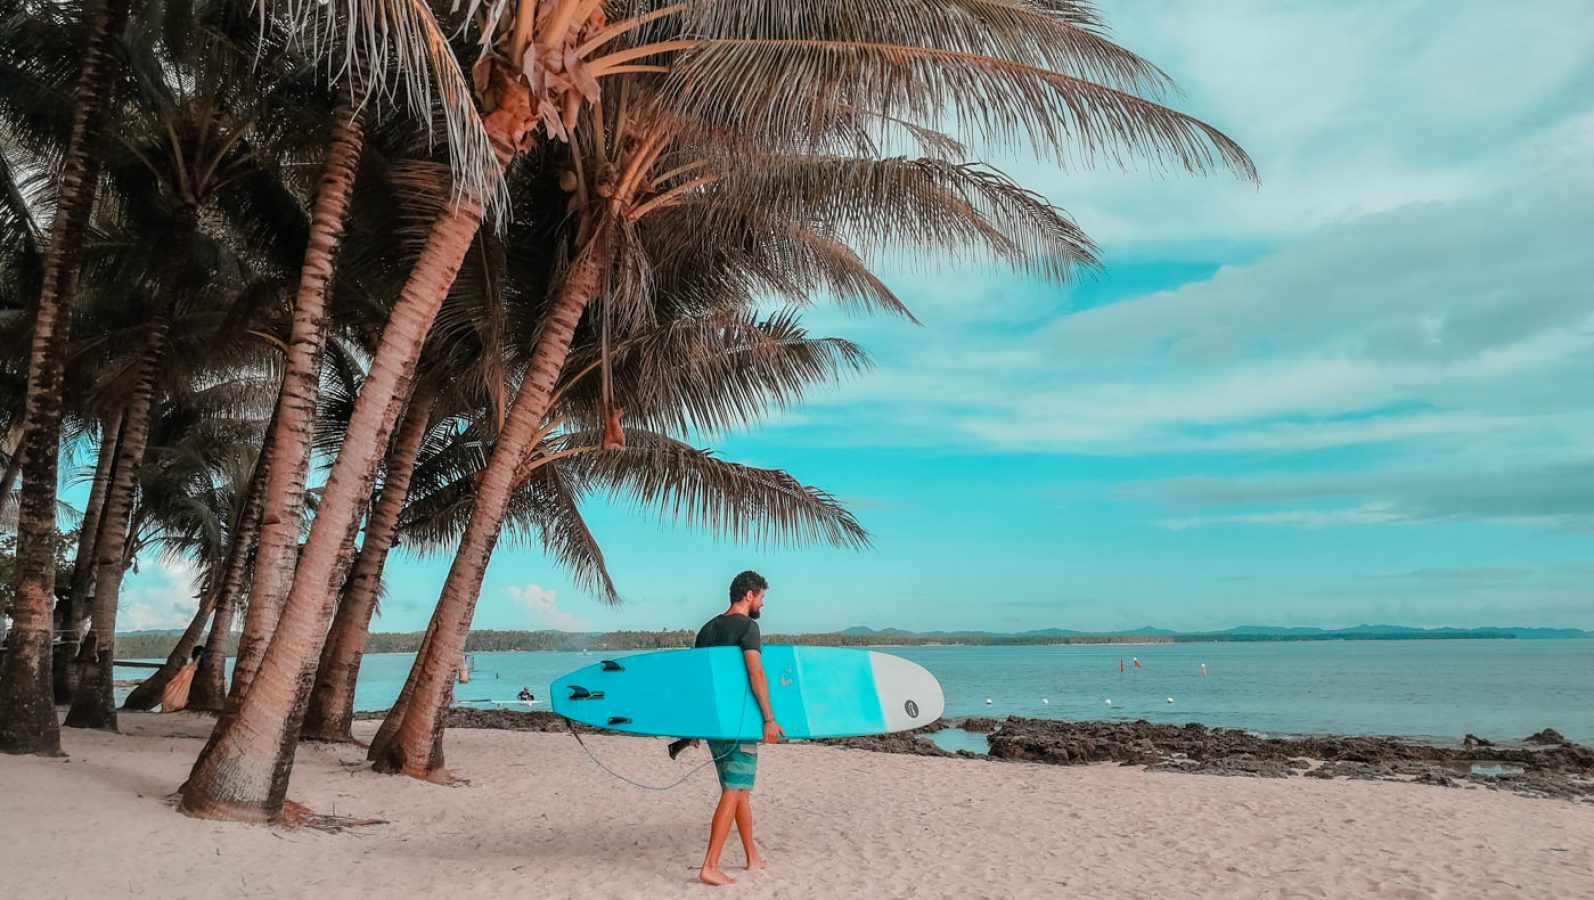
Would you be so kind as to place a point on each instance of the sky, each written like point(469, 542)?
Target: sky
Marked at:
point(1357, 393)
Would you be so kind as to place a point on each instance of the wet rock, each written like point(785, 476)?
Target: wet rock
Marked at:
point(1556, 770)
point(1547, 736)
point(909, 742)
point(1435, 777)
point(979, 725)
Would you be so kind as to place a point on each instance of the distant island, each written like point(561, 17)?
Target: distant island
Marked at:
point(155, 644)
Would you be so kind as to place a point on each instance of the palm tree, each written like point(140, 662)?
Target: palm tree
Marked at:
point(1039, 73)
point(27, 710)
point(330, 714)
point(287, 465)
point(702, 370)
point(206, 107)
point(200, 500)
point(643, 162)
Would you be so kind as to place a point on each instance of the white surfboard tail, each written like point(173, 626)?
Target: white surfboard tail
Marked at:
point(910, 697)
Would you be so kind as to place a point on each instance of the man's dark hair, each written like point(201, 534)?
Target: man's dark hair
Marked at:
point(747, 581)
point(198, 652)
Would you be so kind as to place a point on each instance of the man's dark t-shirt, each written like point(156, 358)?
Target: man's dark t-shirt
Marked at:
point(730, 630)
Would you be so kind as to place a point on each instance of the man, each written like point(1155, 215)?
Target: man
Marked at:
point(174, 696)
point(736, 762)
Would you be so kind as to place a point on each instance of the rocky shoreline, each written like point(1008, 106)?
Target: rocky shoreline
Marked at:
point(1541, 765)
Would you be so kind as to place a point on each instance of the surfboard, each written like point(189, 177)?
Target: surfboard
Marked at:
point(814, 691)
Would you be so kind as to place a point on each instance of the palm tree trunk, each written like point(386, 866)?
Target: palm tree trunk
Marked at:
point(208, 693)
point(395, 714)
point(93, 704)
point(13, 467)
point(148, 692)
point(415, 746)
point(209, 690)
point(288, 444)
point(330, 715)
point(243, 773)
point(70, 615)
point(27, 710)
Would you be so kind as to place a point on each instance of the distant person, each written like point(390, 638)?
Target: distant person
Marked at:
point(734, 761)
point(525, 695)
point(175, 695)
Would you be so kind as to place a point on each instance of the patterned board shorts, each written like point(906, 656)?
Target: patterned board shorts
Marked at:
point(736, 762)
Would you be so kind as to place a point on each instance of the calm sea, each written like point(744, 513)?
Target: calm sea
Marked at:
point(1435, 690)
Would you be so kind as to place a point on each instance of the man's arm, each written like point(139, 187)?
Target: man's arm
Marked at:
point(760, 686)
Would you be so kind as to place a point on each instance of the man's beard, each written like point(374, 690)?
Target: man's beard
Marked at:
point(753, 613)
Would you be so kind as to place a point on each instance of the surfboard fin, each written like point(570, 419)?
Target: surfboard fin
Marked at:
point(577, 692)
point(619, 720)
point(610, 665)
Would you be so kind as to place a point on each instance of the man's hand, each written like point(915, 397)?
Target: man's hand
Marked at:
point(772, 732)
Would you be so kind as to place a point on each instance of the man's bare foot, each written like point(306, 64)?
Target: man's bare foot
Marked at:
point(714, 876)
point(755, 863)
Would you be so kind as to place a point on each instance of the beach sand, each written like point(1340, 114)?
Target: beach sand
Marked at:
point(538, 818)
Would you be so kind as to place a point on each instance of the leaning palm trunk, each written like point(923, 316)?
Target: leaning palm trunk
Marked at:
point(93, 705)
point(27, 713)
point(148, 692)
point(243, 772)
point(13, 468)
point(330, 716)
point(208, 693)
point(414, 747)
point(209, 690)
point(70, 614)
point(288, 458)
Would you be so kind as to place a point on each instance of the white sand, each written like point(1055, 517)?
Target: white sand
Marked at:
point(539, 819)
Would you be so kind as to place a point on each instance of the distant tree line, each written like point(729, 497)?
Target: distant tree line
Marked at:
point(152, 646)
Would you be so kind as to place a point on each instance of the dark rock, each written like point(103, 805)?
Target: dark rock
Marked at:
point(1547, 736)
point(1555, 768)
point(910, 742)
point(1435, 777)
point(1225, 751)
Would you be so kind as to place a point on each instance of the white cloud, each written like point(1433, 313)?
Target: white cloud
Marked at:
point(540, 603)
point(1370, 514)
point(1470, 319)
point(1544, 495)
point(1349, 109)
point(162, 594)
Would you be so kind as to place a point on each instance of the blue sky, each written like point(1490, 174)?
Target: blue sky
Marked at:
point(1357, 393)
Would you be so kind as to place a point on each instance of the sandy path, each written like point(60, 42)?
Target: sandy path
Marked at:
point(539, 819)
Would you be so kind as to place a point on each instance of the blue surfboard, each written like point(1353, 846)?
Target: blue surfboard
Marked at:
point(814, 691)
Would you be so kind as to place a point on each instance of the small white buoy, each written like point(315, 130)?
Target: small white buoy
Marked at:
point(1044, 700)
point(1170, 699)
point(1109, 701)
point(987, 701)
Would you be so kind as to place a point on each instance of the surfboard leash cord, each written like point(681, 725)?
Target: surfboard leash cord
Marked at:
point(647, 787)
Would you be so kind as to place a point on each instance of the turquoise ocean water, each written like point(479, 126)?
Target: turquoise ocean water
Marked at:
point(1435, 690)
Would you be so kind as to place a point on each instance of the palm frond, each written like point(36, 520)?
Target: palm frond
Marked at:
point(692, 487)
